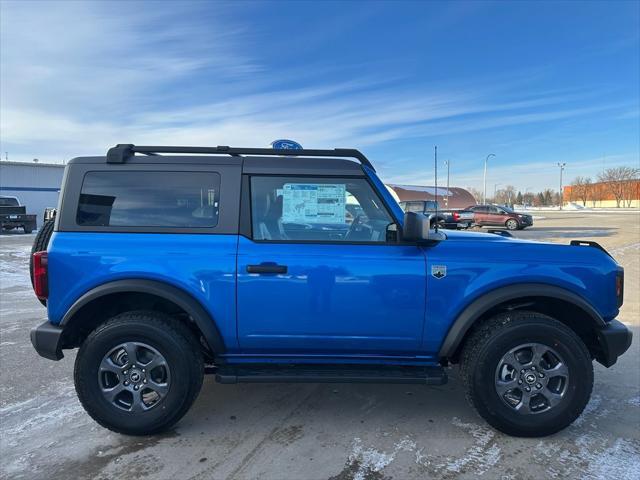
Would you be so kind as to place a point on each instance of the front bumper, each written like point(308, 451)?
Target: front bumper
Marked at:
point(45, 338)
point(614, 340)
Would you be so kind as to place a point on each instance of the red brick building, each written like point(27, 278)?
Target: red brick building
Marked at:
point(602, 195)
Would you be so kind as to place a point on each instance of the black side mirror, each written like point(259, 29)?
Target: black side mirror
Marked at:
point(417, 228)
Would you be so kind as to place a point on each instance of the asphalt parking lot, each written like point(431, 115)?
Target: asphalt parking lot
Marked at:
point(315, 431)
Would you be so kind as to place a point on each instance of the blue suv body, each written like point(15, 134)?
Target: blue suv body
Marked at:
point(278, 265)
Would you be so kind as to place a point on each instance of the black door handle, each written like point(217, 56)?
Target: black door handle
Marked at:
point(267, 268)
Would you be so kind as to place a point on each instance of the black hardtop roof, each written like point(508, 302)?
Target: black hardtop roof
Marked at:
point(252, 160)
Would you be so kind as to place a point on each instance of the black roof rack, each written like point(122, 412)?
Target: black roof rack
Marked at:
point(122, 152)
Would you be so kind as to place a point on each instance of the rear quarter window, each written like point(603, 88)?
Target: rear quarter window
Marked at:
point(9, 202)
point(149, 199)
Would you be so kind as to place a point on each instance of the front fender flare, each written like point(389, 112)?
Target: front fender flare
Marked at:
point(481, 305)
point(193, 307)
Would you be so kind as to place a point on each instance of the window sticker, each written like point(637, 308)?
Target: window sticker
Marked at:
point(313, 203)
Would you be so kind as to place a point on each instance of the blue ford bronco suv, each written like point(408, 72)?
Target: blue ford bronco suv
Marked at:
point(276, 265)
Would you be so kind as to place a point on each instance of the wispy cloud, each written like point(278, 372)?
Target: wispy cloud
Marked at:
point(78, 77)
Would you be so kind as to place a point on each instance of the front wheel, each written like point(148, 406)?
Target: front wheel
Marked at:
point(527, 374)
point(139, 372)
point(512, 224)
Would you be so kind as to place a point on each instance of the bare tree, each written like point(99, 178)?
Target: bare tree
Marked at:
point(581, 186)
point(616, 180)
point(477, 194)
point(631, 185)
point(505, 196)
point(528, 198)
point(587, 191)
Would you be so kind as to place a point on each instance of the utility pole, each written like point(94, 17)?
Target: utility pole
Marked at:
point(561, 165)
point(484, 191)
point(447, 163)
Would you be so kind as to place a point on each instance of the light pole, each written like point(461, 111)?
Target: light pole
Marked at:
point(484, 191)
point(561, 165)
point(447, 163)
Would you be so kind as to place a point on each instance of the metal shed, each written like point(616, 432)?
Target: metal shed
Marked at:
point(453, 197)
point(37, 185)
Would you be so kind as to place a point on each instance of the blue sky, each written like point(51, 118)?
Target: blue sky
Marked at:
point(534, 83)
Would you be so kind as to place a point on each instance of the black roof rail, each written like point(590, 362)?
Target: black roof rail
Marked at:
point(587, 243)
point(502, 233)
point(123, 151)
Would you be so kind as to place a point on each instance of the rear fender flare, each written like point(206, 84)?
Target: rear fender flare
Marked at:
point(190, 305)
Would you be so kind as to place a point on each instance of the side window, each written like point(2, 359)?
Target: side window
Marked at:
point(149, 199)
point(414, 207)
point(317, 209)
point(494, 210)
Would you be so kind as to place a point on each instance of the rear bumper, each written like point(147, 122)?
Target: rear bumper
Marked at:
point(462, 224)
point(614, 340)
point(465, 223)
point(14, 223)
point(45, 338)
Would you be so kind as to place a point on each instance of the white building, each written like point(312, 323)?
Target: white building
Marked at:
point(37, 185)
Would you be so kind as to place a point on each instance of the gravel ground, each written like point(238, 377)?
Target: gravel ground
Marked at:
point(315, 431)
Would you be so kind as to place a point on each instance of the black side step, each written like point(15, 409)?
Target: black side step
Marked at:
point(330, 374)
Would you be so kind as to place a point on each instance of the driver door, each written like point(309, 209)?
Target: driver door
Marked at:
point(318, 275)
point(496, 216)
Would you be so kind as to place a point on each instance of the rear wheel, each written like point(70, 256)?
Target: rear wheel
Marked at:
point(139, 372)
point(527, 374)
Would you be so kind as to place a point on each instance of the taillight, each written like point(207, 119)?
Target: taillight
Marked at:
point(620, 287)
point(40, 281)
point(456, 216)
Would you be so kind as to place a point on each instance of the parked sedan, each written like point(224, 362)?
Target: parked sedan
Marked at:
point(494, 216)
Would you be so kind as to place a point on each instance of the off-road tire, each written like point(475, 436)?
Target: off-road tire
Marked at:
point(40, 244)
point(176, 343)
point(484, 349)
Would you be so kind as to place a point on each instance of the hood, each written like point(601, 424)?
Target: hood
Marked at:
point(507, 247)
point(478, 236)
